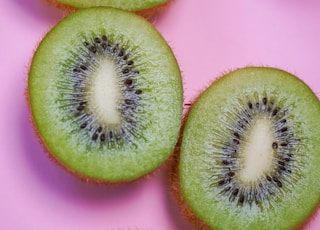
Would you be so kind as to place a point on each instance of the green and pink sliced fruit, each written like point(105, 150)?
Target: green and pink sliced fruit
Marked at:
point(105, 94)
point(250, 153)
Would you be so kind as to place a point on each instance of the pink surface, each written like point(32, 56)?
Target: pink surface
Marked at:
point(208, 37)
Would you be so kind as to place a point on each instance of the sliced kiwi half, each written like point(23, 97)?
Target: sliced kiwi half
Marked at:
point(250, 154)
point(130, 5)
point(105, 94)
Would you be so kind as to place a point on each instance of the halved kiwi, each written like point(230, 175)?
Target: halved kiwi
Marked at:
point(130, 5)
point(250, 154)
point(105, 94)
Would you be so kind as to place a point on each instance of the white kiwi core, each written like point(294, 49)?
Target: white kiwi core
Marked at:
point(104, 93)
point(257, 152)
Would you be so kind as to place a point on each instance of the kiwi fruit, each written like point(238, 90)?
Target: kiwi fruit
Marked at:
point(129, 5)
point(249, 153)
point(105, 95)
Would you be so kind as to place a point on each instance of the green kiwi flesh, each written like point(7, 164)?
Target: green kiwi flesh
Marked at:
point(105, 95)
point(250, 153)
point(130, 5)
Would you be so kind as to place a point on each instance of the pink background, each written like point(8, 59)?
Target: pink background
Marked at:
point(208, 37)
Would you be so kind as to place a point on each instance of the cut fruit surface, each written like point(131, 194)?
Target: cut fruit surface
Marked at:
point(105, 94)
point(250, 154)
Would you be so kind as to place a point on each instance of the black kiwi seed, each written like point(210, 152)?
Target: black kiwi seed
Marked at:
point(138, 91)
point(221, 182)
point(128, 81)
point(93, 49)
point(83, 125)
point(225, 162)
point(128, 101)
point(111, 135)
point(121, 53)
point(275, 179)
point(235, 192)
point(94, 136)
point(126, 70)
point(80, 107)
point(279, 183)
point(264, 100)
point(274, 145)
point(102, 137)
point(275, 111)
point(284, 129)
point(241, 199)
point(270, 106)
point(236, 141)
point(115, 49)
point(83, 67)
point(237, 135)
point(97, 40)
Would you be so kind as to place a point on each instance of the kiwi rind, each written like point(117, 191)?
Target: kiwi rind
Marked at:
point(162, 111)
point(188, 166)
point(129, 5)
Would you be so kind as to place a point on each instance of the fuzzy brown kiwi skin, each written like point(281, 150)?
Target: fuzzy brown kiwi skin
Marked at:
point(153, 12)
point(64, 7)
point(172, 167)
point(175, 192)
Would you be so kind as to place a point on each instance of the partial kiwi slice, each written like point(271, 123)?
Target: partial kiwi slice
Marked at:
point(105, 94)
point(130, 5)
point(250, 154)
